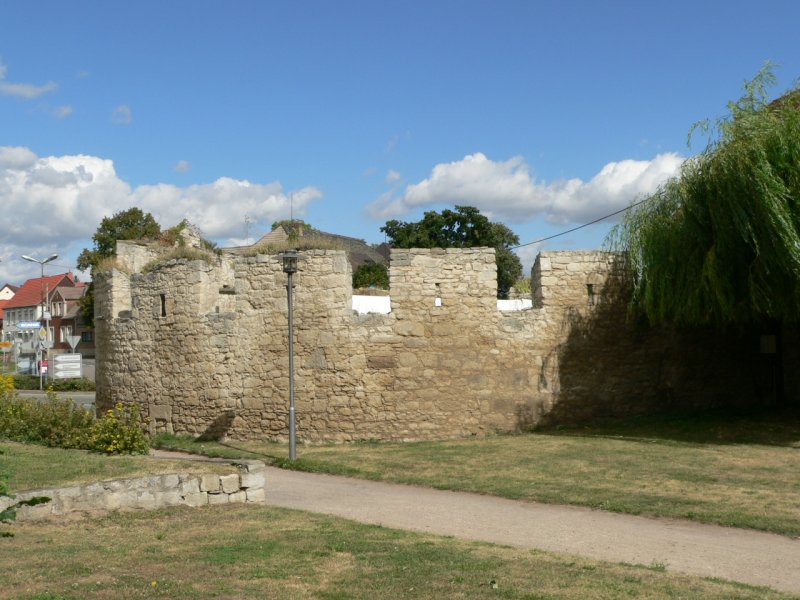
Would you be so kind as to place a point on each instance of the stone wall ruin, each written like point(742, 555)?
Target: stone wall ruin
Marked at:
point(203, 348)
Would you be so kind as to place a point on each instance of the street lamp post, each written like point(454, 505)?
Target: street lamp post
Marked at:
point(42, 263)
point(290, 268)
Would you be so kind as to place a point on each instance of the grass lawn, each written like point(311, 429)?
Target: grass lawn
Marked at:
point(239, 551)
point(27, 466)
point(731, 469)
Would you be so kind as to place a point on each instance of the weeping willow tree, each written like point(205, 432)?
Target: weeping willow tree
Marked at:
point(720, 244)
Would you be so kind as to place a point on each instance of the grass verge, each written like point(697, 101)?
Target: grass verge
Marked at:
point(29, 466)
point(258, 552)
point(723, 468)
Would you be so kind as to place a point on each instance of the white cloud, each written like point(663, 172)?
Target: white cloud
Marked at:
point(27, 91)
point(122, 115)
point(392, 176)
point(55, 203)
point(183, 166)
point(61, 112)
point(508, 191)
point(15, 157)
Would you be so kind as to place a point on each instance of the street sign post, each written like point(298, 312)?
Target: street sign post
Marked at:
point(67, 366)
point(73, 340)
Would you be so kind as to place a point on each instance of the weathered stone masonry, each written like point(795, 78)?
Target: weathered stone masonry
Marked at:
point(203, 348)
point(155, 491)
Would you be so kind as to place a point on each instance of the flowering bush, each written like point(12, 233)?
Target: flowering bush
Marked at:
point(119, 431)
point(6, 384)
point(61, 423)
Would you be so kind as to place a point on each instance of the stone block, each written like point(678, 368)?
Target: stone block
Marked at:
point(381, 362)
point(170, 497)
point(409, 328)
point(145, 499)
point(253, 480)
point(217, 498)
point(257, 495)
point(239, 497)
point(195, 499)
point(209, 483)
point(169, 481)
point(229, 483)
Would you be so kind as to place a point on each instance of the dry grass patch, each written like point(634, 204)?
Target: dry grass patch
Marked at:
point(258, 552)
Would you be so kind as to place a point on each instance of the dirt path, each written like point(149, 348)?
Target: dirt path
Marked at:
point(736, 554)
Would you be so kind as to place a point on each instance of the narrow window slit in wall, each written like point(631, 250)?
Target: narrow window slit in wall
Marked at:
point(438, 301)
point(591, 292)
point(163, 305)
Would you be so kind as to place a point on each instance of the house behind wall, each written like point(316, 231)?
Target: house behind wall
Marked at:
point(203, 348)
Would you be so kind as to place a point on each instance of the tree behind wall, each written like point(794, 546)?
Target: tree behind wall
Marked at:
point(465, 227)
point(131, 224)
point(721, 243)
point(371, 275)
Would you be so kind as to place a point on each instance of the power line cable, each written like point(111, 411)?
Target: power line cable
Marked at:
point(550, 237)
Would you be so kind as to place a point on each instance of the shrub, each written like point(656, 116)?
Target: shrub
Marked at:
point(119, 431)
point(54, 422)
point(6, 384)
point(61, 423)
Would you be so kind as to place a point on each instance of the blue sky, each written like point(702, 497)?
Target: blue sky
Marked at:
point(544, 115)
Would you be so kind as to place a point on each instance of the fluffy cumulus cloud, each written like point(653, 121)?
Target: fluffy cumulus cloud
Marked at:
point(56, 202)
point(508, 191)
point(26, 91)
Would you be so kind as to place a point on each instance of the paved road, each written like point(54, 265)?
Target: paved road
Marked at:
point(85, 399)
point(741, 555)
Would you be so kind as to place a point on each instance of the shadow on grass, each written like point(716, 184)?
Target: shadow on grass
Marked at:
point(769, 427)
point(232, 450)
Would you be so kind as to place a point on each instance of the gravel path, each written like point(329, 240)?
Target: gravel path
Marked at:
point(710, 551)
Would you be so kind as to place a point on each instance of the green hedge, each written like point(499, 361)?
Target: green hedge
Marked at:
point(31, 382)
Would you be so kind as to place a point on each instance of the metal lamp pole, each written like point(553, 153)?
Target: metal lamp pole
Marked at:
point(42, 263)
point(290, 268)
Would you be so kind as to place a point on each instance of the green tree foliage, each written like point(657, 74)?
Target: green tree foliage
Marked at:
point(131, 224)
point(294, 228)
point(371, 275)
point(465, 227)
point(721, 243)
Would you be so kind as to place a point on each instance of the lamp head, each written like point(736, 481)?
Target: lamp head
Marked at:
point(41, 262)
point(289, 261)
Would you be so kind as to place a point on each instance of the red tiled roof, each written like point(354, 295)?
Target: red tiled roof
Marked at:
point(30, 293)
point(2, 304)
